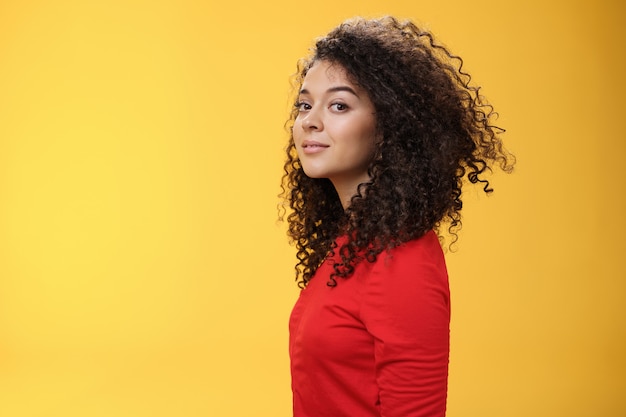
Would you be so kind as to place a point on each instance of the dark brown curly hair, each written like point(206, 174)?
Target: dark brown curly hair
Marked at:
point(436, 132)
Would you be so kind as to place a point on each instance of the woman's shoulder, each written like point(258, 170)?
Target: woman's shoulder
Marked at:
point(416, 257)
point(413, 272)
point(425, 245)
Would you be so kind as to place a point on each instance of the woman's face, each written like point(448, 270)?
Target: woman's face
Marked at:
point(335, 130)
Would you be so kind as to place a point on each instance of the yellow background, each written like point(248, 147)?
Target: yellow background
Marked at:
point(142, 270)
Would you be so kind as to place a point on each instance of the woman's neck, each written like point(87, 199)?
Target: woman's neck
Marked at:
point(348, 189)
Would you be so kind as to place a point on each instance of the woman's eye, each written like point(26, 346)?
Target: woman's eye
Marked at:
point(339, 106)
point(303, 106)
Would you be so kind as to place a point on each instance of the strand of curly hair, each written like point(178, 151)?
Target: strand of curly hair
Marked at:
point(436, 133)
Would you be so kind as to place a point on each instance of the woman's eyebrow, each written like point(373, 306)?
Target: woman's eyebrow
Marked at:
point(334, 89)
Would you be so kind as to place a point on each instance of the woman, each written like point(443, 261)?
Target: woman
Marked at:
point(385, 130)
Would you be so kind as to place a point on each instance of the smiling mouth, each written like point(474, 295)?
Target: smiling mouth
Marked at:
point(313, 148)
point(313, 144)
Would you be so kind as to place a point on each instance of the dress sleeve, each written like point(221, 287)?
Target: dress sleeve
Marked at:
point(406, 308)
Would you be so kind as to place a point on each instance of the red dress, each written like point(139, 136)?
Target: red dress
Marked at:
point(377, 344)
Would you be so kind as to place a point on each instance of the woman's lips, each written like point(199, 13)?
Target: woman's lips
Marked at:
point(311, 147)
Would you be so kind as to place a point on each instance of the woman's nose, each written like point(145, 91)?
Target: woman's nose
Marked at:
point(312, 121)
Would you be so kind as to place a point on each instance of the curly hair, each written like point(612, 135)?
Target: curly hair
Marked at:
point(436, 132)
